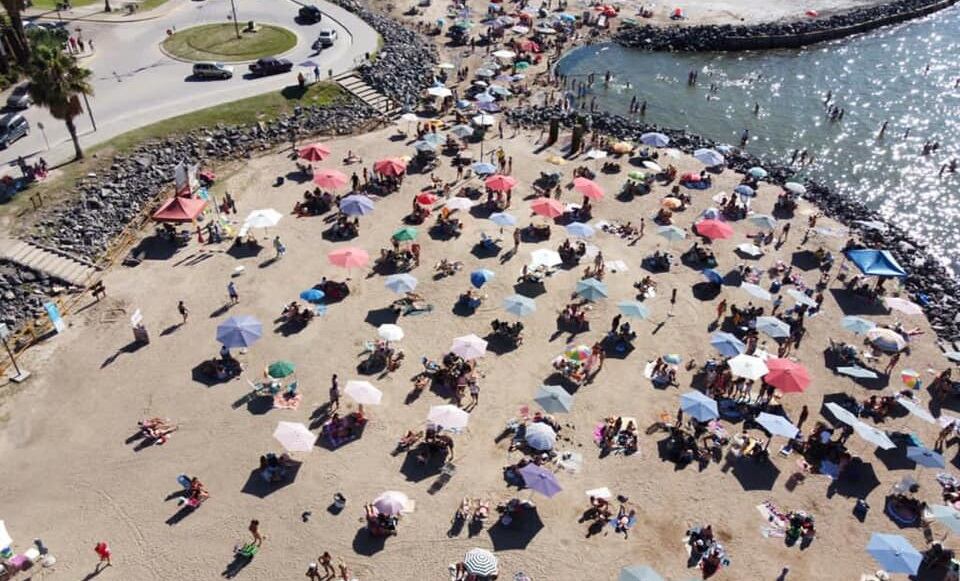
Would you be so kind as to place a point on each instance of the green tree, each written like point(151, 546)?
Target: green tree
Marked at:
point(57, 82)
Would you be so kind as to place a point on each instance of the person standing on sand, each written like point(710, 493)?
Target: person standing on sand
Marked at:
point(232, 293)
point(254, 529)
point(102, 549)
point(721, 310)
point(326, 561)
point(516, 240)
point(334, 393)
point(184, 311)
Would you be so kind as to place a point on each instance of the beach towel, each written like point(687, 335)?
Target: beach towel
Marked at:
point(282, 402)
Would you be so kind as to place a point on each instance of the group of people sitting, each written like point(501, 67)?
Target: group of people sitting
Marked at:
point(471, 299)
point(710, 553)
point(447, 267)
point(448, 225)
point(292, 313)
point(379, 524)
point(659, 261)
point(513, 332)
point(571, 254)
point(574, 315)
point(339, 430)
point(616, 433)
point(435, 444)
point(383, 355)
point(698, 254)
point(314, 203)
point(344, 228)
point(156, 429)
point(395, 260)
point(273, 468)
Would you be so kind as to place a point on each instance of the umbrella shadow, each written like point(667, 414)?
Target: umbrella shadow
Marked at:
point(852, 303)
point(241, 251)
point(530, 289)
point(499, 345)
point(481, 251)
point(706, 291)
point(462, 309)
point(805, 260)
point(833, 362)
point(518, 534)
point(896, 458)
point(154, 248)
point(259, 405)
point(480, 211)
point(414, 470)
point(377, 317)
point(760, 474)
point(257, 486)
point(367, 544)
point(858, 480)
point(201, 374)
point(290, 327)
point(235, 566)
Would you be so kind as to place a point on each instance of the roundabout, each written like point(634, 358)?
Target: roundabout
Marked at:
point(219, 42)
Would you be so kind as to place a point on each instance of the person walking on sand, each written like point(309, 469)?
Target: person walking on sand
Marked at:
point(334, 393)
point(516, 240)
point(102, 549)
point(673, 302)
point(782, 239)
point(184, 311)
point(232, 293)
point(254, 529)
point(721, 310)
point(279, 247)
point(326, 561)
point(615, 323)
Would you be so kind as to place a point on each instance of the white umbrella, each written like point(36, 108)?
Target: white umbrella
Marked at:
point(802, 298)
point(795, 187)
point(756, 291)
point(596, 154)
point(540, 436)
point(904, 306)
point(469, 346)
point(750, 249)
point(266, 218)
point(480, 562)
point(294, 437)
point(5, 539)
point(441, 92)
point(916, 410)
point(748, 366)
point(390, 332)
point(504, 54)
point(652, 166)
point(484, 120)
point(391, 503)
point(777, 425)
point(545, 257)
point(448, 417)
point(409, 117)
point(363, 392)
point(843, 415)
point(708, 157)
point(875, 436)
point(401, 283)
point(459, 203)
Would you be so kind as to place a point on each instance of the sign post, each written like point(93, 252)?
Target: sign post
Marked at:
point(21, 374)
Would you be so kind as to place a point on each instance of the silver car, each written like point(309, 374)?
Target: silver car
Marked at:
point(13, 126)
point(20, 99)
point(212, 71)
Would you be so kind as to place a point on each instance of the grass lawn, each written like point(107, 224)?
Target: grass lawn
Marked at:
point(219, 42)
point(52, 4)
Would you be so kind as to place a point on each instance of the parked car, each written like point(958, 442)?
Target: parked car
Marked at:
point(270, 66)
point(212, 71)
point(309, 14)
point(20, 99)
point(326, 38)
point(13, 126)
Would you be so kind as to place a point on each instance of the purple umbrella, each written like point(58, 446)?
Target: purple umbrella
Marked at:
point(540, 480)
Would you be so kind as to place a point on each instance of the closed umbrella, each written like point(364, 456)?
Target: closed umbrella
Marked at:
point(479, 277)
point(726, 344)
point(330, 179)
point(748, 367)
point(547, 207)
point(945, 515)
point(714, 229)
point(787, 376)
point(266, 218)
point(588, 188)
point(857, 325)
point(764, 221)
point(539, 479)
point(639, 573)
point(281, 369)
point(875, 436)
point(554, 399)
point(469, 347)
point(294, 437)
point(449, 417)
point(894, 553)
point(671, 233)
point(405, 234)
point(503, 219)
point(857, 372)
point(401, 283)
point(241, 331)
point(349, 257)
point(802, 298)
point(925, 457)
point(633, 309)
point(540, 436)
point(886, 340)
point(699, 406)
point(708, 157)
point(904, 306)
point(519, 305)
point(312, 295)
point(655, 139)
point(314, 152)
point(773, 327)
point(363, 392)
point(591, 289)
point(580, 230)
point(391, 503)
point(356, 205)
point(777, 425)
point(500, 183)
point(390, 332)
point(481, 562)
point(545, 257)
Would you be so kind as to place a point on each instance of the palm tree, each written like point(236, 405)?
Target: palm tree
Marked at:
point(17, 36)
point(57, 82)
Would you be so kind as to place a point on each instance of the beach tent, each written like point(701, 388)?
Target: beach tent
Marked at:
point(875, 262)
point(180, 209)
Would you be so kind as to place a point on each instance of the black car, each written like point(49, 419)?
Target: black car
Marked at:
point(270, 66)
point(309, 14)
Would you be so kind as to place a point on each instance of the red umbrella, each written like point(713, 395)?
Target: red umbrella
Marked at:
point(390, 167)
point(314, 152)
point(426, 199)
point(588, 188)
point(714, 229)
point(349, 257)
point(547, 207)
point(786, 375)
point(528, 46)
point(500, 183)
point(180, 209)
point(329, 179)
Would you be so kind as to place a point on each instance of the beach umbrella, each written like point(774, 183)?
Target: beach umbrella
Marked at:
point(363, 392)
point(655, 139)
point(266, 218)
point(547, 207)
point(312, 295)
point(483, 168)
point(500, 183)
point(554, 399)
point(894, 553)
point(241, 331)
point(633, 309)
point(672, 358)
point(481, 562)
point(578, 353)
point(843, 415)
point(391, 503)
point(795, 188)
point(750, 249)
point(281, 369)
point(401, 283)
point(787, 376)
point(886, 340)
point(448, 417)
point(519, 305)
point(463, 131)
point(294, 437)
point(773, 327)
point(764, 221)
point(712, 276)
point(756, 291)
point(652, 166)
point(356, 205)
point(639, 573)
point(916, 410)
point(925, 457)
point(945, 515)
point(330, 179)
point(857, 372)
point(503, 219)
point(484, 98)
point(699, 406)
point(545, 257)
point(745, 191)
point(349, 257)
point(588, 188)
point(426, 199)
point(857, 325)
point(777, 425)
point(591, 289)
point(580, 230)
point(459, 203)
point(469, 347)
point(504, 54)
point(411, 117)
point(904, 306)
point(873, 262)
point(596, 154)
point(802, 298)
point(708, 157)
point(485, 73)
point(538, 478)
point(671, 233)
point(390, 167)
point(405, 234)
point(748, 367)
point(390, 332)
point(714, 229)
point(314, 152)
point(498, 90)
point(540, 436)
point(757, 172)
point(479, 277)
point(441, 92)
point(726, 344)
point(484, 120)
point(424, 146)
point(875, 436)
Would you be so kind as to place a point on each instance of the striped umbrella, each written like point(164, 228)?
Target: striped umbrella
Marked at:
point(480, 562)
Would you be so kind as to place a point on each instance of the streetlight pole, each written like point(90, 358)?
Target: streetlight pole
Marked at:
point(90, 111)
point(236, 24)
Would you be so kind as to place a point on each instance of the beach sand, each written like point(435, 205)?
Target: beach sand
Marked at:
point(70, 478)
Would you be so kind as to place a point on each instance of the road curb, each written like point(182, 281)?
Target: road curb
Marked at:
point(158, 12)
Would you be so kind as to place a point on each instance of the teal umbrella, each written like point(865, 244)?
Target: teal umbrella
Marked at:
point(519, 305)
point(281, 369)
point(405, 234)
point(671, 233)
point(634, 309)
point(592, 289)
point(554, 399)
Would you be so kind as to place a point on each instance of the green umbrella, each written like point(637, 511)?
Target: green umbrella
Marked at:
point(280, 369)
point(522, 65)
point(637, 176)
point(405, 234)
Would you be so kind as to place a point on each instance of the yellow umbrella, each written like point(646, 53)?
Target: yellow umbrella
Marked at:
point(671, 203)
point(622, 147)
point(556, 160)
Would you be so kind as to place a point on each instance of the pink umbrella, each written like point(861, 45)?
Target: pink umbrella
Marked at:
point(500, 183)
point(547, 207)
point(588, 188)
point(349, 257)
point(426, 199)
point(714, 229)
point(390, 167)
point(314, 152)
point(787, 376)
point(329, 179)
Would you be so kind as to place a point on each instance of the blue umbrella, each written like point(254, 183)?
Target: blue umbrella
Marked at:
point(654, 139)
point(356, 205)
point(777, 425)
point(462, 131)
point(519, 305)
point(713, 276)
point(925, 457)
point(580, 230)
point(312, 295)
point(242, 331)
point(876, 262)
point(727, 344)
point(591, 289)
point(773, 327)
point(672, 359)
point(745, 191)
point(483, 168)
point(478, 278)
point(894, 553)
point(503, 219)
point(540, 436)
point(708, 157)
point(554, 399)
point(484, 98)
point(699, 406)
point(634, 309)
point(757, 172)
point(424, 146)
point(857, 325)
point(540, 479)
point(401, 283)
point(488, 107)
point(946, 515)
point(858, 372)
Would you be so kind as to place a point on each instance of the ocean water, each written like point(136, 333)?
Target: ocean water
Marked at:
point(907, 75)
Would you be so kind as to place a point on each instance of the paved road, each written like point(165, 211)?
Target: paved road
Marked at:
point(136, 84)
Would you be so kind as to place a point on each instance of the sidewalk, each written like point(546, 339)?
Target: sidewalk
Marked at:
point(95, 13)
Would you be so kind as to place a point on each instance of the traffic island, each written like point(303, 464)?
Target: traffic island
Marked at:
point(227, 42)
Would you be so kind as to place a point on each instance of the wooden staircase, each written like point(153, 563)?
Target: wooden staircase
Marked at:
point(355, 85)
point(54, 263)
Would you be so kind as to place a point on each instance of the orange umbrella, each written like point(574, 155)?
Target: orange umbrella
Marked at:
point(547, 207)
point(426, 199)
point(329, 179)
point(314, 152)
point(180, 209)
point(588, 188)
point(500, 183)
point(671, 203)
point(714, 229)
point(349, 257)
point(390, 167)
